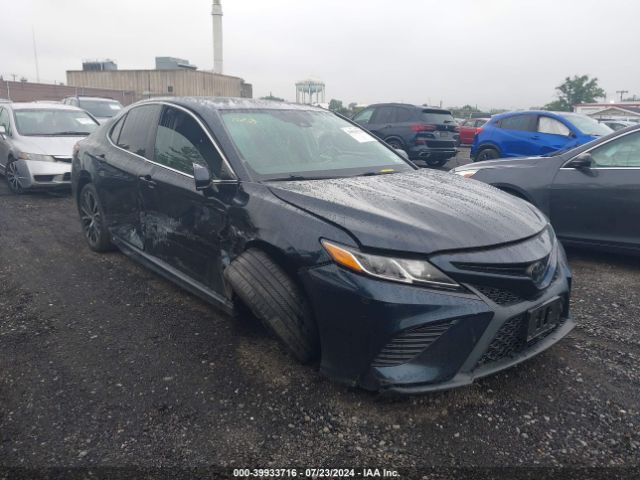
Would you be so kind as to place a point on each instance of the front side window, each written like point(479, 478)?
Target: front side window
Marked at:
point(53, 122)
point(364, 116)
point(181, 142)
point(621, 152)
point(518, 122)
point(137, 127)
point(552, 126)
point(278, 144)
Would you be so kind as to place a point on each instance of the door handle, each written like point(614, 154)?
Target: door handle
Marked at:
point(148, 181)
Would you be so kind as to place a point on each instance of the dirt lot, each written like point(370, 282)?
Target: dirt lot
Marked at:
point(104, 363)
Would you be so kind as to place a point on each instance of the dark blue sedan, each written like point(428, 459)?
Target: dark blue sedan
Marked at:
point(532, 133)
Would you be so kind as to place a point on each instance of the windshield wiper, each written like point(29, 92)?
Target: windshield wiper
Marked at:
point(296, 178)
point(378, 172)
point(70, 132)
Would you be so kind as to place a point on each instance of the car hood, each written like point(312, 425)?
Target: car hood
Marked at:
point(57, 146)
point(422, 212)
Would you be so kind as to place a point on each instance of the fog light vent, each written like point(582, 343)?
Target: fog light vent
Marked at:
point(410, 344)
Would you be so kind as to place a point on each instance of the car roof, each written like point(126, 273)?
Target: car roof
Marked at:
point(43, 106)
point(398, 104)
point(230, 103)
point(89, 97)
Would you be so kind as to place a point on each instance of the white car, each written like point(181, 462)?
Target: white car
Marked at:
point(101, 108)
point(36, 143)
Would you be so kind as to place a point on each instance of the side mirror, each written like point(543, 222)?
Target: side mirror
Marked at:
point(201, 176)
point(584, 160)
point(402, 153)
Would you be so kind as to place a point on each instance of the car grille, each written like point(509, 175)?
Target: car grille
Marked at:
point(511, 340)
point(500, 296)
point(409, 344)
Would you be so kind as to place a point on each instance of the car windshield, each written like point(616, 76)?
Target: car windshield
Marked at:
point(437, 117)
point(587, 125)
point(50, 122)
point(307, 144)
point(100, 108)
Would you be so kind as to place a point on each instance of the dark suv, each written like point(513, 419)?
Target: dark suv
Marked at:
point(427, 134)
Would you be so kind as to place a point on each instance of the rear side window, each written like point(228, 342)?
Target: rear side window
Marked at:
point(524, 123)
point(403, 115)
point(181, 142)
point(437, 117)
point(138, 124)
point(384, 115)
point(552, 126)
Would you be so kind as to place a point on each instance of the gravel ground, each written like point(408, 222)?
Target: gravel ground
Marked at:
point(105, 363)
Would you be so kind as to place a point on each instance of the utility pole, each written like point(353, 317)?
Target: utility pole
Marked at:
point(35, 54)
point(622, 92)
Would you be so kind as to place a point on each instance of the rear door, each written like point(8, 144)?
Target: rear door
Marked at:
point(118, 169)
point(553, 135)
point(601, 204)
point(381, 123)
point(182, 226)
point(516, 135)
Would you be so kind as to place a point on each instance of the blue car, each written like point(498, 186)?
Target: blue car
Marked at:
point(533, 133)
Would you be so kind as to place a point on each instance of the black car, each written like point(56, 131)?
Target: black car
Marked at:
point(591, 193)
point(395, 278)
point(428, 135)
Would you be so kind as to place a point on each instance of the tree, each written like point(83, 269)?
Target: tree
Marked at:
point(272, 98)
point(579, 89)
point(336, 106)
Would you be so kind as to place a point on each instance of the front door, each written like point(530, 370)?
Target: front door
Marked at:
point(601, 204)
point(182, 226)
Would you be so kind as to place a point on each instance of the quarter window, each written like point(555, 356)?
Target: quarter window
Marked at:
point(518, 122)
point(4, 119)
point(552, 126)
point(138, 123)
point(181, 142)
point(115, 131)
point(622, 152)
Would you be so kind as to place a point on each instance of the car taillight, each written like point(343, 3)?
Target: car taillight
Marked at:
point(478, 130)
point(423, 127)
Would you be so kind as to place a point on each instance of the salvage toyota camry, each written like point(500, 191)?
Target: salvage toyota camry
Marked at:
point(394, 278)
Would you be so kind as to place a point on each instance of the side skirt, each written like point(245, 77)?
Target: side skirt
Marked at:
point(174, 275)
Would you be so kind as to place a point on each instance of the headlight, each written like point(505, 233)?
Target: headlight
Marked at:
point(466, 173)
point(419, 272)
point(36, 156)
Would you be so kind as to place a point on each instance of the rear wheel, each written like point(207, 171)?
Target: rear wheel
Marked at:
point(92, 219)
point(274, 298)
point(13, 177)
point(395, 143)
point(487, 154)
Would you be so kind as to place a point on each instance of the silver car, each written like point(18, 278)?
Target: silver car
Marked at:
point(36, 143)
point(101, 108)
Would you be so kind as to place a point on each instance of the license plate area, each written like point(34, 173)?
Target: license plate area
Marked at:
point(544, 318)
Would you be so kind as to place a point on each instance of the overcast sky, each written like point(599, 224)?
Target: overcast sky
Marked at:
point(493, 53)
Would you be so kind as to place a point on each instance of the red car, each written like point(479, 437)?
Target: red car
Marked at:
point(469, 128)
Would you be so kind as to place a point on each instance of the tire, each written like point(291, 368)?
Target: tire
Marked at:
point(11, 175)
point(487, 154)
point(92, 220)
point(274, 298)
point(395, 143)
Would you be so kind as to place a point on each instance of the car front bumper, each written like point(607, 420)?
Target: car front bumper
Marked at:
point(35, 174)
point(364, 318)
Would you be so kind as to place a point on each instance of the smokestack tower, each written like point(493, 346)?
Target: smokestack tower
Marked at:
point(216, 14)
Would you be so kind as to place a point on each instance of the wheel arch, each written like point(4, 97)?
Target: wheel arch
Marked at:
point(84, 177)
point(515, 191)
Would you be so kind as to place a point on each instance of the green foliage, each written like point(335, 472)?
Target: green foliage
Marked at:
point(579, 89)
point(336, 106)
point(272, 98)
